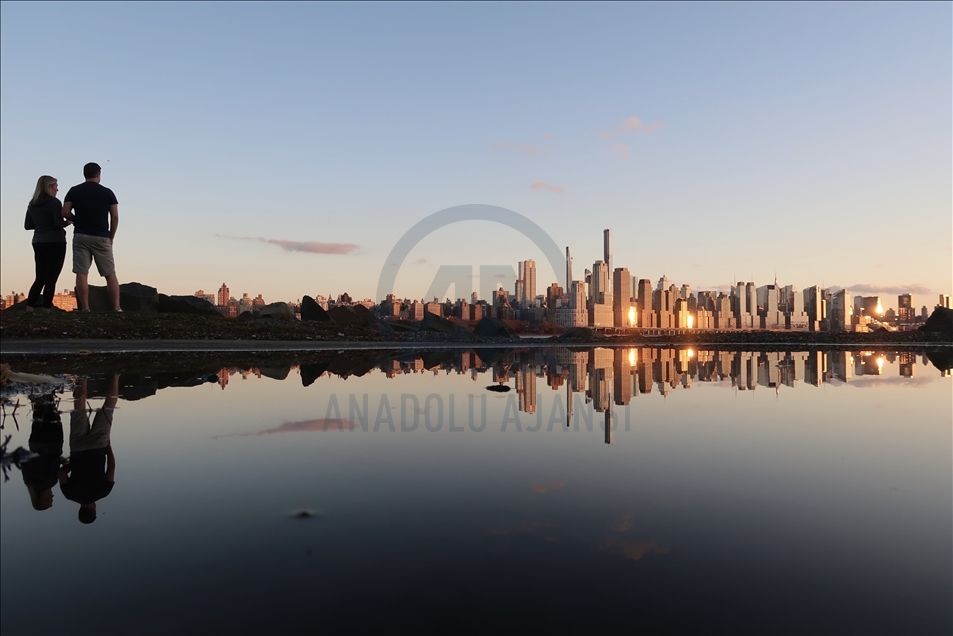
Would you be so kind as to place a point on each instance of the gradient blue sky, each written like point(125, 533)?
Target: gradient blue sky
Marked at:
point(808, 140)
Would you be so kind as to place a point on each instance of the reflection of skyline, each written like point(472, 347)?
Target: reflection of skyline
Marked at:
point(615, 376)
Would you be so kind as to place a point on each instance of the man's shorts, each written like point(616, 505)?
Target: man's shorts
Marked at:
point(88, 248)
point(83, 435)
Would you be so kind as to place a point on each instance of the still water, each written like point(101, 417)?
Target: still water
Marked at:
point(608, 490)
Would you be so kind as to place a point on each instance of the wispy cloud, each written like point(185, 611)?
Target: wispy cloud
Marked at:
point(523, 527)
point(623, 524)
point(634, 550)
point(867, 288)
point(306, 426)
point(631, 125)
point(522, 147)
point(541, 488)
point(622, 150)
point(312, 247)
point(549, 136)
point(541, 186)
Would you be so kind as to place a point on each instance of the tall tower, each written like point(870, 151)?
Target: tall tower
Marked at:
point(607, 249)
point(223, 295)
point(568, 269)
point(527, 274)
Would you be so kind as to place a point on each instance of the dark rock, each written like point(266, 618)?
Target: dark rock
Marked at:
point(312, 311)
point(386, 330)
point(498, 388)
point(342, 315)
point(940, 321)
point(277, 311)
point(133, 297)
point(99, 299)
point(581, 333)
point(438, 324)
point(494, 328)
point(246, 315)
point(138, 297)
point(363, 313)
point(186, 305)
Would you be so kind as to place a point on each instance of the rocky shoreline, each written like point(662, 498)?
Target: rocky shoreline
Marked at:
point(172, 326)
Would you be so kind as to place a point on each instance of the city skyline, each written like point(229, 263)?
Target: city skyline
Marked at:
point(292, 163)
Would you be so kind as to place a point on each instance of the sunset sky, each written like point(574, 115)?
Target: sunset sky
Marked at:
point(285, 148)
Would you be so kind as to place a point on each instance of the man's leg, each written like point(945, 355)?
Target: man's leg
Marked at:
point(112, 286)
point(82, 291)
point(82, 259)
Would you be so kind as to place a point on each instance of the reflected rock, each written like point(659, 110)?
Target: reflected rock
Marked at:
point(275, 373)
point(132, 387)
point(311, 372)
point(312, 311)
point(436, 359)
point(942, 359)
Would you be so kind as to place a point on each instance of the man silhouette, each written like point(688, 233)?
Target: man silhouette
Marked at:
point(94, 211)
point(90, 472)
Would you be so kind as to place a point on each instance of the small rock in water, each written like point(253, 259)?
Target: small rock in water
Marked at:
point(498, 388)
point(303, 513)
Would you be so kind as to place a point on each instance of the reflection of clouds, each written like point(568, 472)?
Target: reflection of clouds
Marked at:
point(634, 550)
point(868, 383)
point(541, 488)
point(322, 424)
point(524, 527)
point(630, 549)
point(623, 524)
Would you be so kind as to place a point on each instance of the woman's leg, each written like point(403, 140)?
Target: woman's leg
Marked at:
point(56, 254)
point(33, 298)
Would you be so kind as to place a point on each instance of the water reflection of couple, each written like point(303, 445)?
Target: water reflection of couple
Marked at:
point(89, 473)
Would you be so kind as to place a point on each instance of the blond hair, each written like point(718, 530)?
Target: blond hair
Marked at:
point(42, 189)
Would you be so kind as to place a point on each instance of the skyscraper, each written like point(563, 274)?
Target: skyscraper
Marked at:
point(621, 296)
point(223, 295)
point(568, 269)
point(527, 273)
point(905, 309)
point(841, 311)
point(607, 248)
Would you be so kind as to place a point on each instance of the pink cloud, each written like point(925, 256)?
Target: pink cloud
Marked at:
point(523, 147)
point(632, 125)
point(540, 186)
point(867, 288)
point(622, 150)
point(312, 247)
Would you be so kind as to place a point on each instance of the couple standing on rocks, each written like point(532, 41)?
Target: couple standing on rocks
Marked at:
point(94, 212)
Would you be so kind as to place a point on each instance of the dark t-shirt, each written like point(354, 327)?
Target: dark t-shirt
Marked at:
point(91, 203)
point(87, 479)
